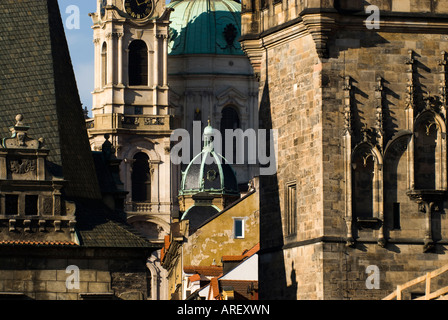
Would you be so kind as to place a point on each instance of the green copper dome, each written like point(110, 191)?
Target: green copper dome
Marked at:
point(205, 27)
point(208, 172)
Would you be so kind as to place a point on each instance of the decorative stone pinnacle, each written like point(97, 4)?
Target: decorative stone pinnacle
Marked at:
point(19, 119)
point(19, 136)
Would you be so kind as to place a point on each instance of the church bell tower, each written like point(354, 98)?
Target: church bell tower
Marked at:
point(130, 106)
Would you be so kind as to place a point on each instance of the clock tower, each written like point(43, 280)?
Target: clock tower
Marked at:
point(130, 110)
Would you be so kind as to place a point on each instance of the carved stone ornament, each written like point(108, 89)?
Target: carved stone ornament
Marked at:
point(19, 138)
point(22, 166)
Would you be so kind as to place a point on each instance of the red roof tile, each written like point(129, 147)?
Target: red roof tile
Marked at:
point(38, 243)
point(243, 289)
point(214, 289)
point(195, 277)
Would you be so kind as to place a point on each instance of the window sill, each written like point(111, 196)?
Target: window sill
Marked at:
point(368, 223)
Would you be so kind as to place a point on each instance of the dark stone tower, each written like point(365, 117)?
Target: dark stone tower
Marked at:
point(357, 92)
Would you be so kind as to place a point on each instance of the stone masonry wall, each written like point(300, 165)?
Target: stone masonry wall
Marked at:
point(364, 56)
point(345, 271)
point(46, 278)
point(303, 97)
point(291, 103)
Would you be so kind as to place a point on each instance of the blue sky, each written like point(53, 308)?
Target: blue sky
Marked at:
point(80, 43)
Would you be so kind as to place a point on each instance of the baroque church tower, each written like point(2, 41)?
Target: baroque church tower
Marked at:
point(131, 114)
point(130, 105)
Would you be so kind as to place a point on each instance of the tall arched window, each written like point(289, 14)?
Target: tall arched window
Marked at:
point(425, 155)
point(363, 173)
point(229, 120)
point(141, 178)
point(138, 63)
point(104, 65)
point(395, 179)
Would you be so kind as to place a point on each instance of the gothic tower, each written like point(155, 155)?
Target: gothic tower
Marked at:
point(130, 107)
point(357, 92)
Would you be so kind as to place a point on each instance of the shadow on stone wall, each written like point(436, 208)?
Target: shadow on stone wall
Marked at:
point(272, 261)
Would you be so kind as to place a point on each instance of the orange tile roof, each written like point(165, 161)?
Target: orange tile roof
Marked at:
point(232, 258)
point(204, 270)
point(252, 250)
point(195, 277)
point(214, 286)
point(246, 254)
point(167, 242)
point(38, 243)
point(166, 246)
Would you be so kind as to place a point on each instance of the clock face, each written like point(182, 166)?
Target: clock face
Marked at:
point(138, 9)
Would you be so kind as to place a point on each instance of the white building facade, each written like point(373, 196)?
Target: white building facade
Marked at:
point(130, 108)
point(160, 67)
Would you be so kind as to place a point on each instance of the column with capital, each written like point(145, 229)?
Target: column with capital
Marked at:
point(110, 59)
point(120, 58)
point(97, 82)
point(155, 71)
point(165, 60)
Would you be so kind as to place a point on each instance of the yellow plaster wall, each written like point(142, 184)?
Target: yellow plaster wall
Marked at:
point(216, 238)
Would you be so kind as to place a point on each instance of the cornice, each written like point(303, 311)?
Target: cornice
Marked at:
point(322, 24)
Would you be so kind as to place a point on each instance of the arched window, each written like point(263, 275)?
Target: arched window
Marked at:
point(229, 120)
point(138, 63)
point(395, 179)
point(363, 178)
point(141, 178)
point(104, 65)
point(425, 146)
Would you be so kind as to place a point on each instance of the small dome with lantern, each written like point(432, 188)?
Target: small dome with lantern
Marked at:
point(208, 172)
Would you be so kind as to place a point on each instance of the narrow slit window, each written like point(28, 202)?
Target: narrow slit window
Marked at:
point(291, 209)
